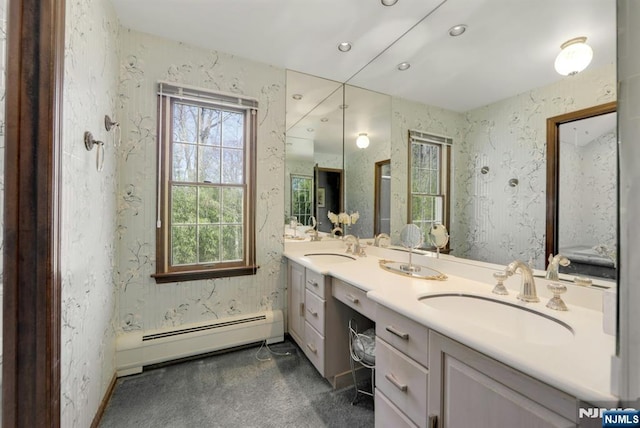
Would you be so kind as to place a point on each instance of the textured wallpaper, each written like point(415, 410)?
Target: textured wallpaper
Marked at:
point(494, 221)
point(588, 191)
point(143, 304)
point(88, 251)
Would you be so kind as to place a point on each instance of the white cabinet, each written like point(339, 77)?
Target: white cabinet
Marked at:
point(467, 388)
point(314, 315)
point(295, 313)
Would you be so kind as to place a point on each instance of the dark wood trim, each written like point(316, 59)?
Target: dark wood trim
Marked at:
point(553, 168)
point(194, 275)
point(376, 192)
point(31, 312)
point(447, 199)
point(105, 401)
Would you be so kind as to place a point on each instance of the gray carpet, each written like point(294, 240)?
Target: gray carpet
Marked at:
point(236, 390)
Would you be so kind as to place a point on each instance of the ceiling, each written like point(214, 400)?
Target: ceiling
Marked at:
point(509, 46)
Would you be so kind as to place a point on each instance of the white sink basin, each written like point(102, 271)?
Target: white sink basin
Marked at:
point(329, 258)
point(502, 318)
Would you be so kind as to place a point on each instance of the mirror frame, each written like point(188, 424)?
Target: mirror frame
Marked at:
point(553, 167)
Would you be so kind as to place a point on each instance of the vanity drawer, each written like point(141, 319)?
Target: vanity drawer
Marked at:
point(388, 415)
point(354, 297)
point(314, 347)
point(315, 282)
point(314, 311)
point(403, 334)
point(403, 381)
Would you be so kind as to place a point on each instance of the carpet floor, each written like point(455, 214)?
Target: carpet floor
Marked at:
point(236, 389)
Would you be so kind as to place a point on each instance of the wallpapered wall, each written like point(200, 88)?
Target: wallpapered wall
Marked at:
point(493, 221)
point(143, 304)
point(88, 251)
point(587, 215)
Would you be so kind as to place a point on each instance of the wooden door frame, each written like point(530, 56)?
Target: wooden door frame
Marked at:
point(31, 311)
point(376, 193)
point(553, 168)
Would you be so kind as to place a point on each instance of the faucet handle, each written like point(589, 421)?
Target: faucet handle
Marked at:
point(556, 302)
point(500, 288)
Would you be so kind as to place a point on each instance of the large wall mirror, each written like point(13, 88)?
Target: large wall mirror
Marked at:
point(582, 190)
point(497, 124)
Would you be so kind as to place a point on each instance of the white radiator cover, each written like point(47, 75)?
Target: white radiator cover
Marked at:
point(138, 349)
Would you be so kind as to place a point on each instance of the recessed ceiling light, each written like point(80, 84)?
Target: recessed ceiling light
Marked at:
point(389, 2)
point(296, 97)
point(343, 106)
point(324, 119)
point(344, 47)
point(403, 66)
point(310, 129)
point(457, 30)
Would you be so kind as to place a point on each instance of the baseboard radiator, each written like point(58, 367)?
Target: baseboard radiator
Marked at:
point(138, 349)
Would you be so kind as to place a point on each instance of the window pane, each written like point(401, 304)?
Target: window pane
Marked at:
point(232, 166)
point(232, 205)
point(183, 204)
point(209, 244)
point(210, 127)
point(209, 166)
point(232, 129)
point(183, 245)
point(434, 182)
point(185, 123)
point(209, 205)
point(184, 162)
point(232, 242)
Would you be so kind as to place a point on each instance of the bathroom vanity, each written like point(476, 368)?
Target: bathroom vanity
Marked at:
point(439, 366)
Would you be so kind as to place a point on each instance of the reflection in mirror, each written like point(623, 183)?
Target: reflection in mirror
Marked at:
point(382, 209)
point(313, 138)
point(302, 198)
point(368, 112)
point(329, 195)
point(582, 190)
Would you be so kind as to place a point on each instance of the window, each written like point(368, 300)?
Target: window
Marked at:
point(429, 161)
point(301, 197)
point(206, 174)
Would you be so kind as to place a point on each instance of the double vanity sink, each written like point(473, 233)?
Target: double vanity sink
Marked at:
point(567, 350)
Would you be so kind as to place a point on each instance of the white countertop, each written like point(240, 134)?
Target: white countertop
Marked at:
point(580, 367)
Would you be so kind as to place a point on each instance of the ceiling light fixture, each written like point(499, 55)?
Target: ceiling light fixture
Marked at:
point(457, 30)
point(403, 66)
point(574, 57)
point(324, 119)
point(310, 129)
point(344, 47)
point(363, 140)
point(343, 106)
point(388, 2)
point(296, 97)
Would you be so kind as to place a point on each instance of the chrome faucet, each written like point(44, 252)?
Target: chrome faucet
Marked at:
point(313, 230)
point(554, 263)
point(379, 237)
point(335, 230)
point(528, 288)
point(358, 250)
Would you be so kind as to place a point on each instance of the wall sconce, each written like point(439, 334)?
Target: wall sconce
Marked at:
point(574, 57)
point(363, 140)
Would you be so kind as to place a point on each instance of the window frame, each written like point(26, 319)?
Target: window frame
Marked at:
point(444, 176)
point(165, 271)
point(311, 198)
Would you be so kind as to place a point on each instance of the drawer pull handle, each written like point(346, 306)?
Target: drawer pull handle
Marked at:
point(312, 312)
point(312, 348)
point(352, 299)
point(312, 282)
point(391, 329)
point(395, 383)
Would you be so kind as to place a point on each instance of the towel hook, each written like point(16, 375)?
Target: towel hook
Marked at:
point(89, 142)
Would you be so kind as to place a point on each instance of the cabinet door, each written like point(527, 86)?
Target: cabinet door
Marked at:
point(468, 389)
point(296, 302)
